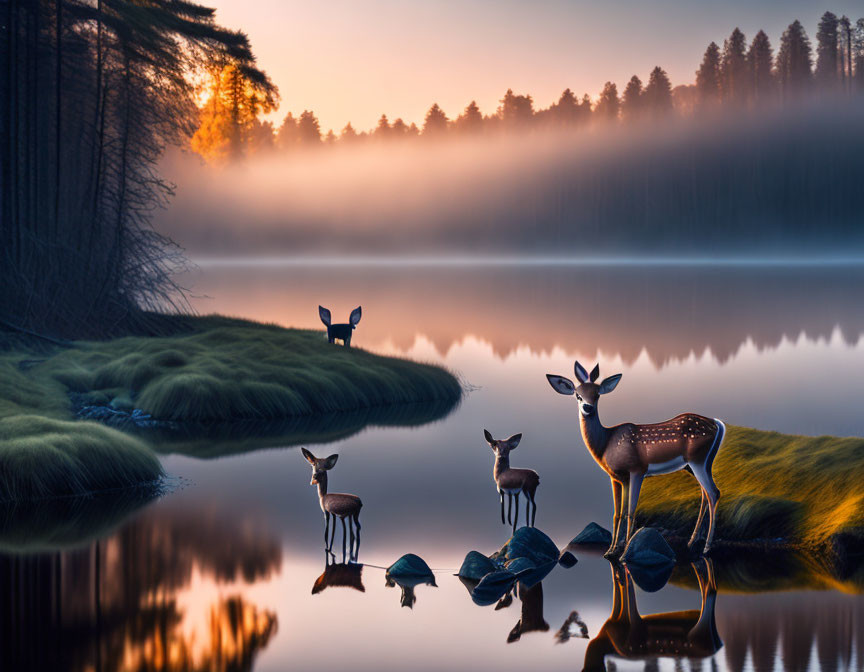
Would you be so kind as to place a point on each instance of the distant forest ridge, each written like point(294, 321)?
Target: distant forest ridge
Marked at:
point(737, 78)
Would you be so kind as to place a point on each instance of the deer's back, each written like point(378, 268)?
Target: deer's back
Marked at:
point(342, 504)
point(688, 435)
point(514, 479)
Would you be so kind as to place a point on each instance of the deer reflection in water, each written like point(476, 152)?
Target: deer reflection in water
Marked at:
point(687, 634)
point(339, 575)
point(532, 611)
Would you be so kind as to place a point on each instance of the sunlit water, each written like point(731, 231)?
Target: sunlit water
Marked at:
point(219, 574)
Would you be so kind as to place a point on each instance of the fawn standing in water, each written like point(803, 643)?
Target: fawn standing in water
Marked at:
point(513, 481)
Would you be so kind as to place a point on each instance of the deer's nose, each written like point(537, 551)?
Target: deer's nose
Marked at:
point(587, 409)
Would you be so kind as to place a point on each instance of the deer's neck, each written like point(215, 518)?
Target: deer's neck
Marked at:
point(502, 464)
point(322, 487)
point(594, 434)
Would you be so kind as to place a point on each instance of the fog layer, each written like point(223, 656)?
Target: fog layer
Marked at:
point(768, 185)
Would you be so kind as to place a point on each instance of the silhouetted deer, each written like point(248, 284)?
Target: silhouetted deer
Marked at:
point(685, 634)
point(341, 331)
point(343, 575)
point(336, 504)
point(513, 481)
point(629, 452)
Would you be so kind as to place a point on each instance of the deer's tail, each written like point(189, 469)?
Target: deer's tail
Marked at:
point(718, 440)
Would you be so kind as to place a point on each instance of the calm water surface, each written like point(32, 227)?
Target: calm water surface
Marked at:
point(219, 574)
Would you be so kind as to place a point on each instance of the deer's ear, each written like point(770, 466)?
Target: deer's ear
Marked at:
point(581, 373)
point(561, 384)
point(324, 314)
point(514, 440)
point(595, 372)
point(310, 458)
point(488, 436)
point(330, 462)
point(356, 314)
point(609, 383)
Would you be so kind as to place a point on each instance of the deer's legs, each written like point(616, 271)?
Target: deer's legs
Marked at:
point(510, 508)
point(616, 516)
point(332, 533)
point(356, 518)
point(696, 530)
point(501, 495)
point(703, 475)
point(632, 501)
point(533, 509)
point(326, 528)
point(516, 515)
point(343, 537)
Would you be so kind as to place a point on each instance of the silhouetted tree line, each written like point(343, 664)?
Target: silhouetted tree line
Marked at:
point(91, 91)
point(738, 77)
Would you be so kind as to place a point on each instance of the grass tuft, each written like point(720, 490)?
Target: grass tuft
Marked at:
point(805, 490)
point(43, 457)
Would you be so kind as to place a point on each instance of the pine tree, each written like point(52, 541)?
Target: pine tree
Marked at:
point(858, 56)
point(435, 123)
point(470, 121)
point(794, 62)
point(759, 66)
point(516, 111)
point(348, 135)
point(632, 104)
point(382, 130)
point(286, 136)
point(308, 129)
point(708, 78)
point(733, 69)
point(845, 51)
point(608, 106)
point(658, 94)
point(826, 53)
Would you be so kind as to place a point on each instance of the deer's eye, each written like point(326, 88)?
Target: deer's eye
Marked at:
point(578, 397)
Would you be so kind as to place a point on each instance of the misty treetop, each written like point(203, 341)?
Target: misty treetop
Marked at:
point(92, 92)
point(741, 77)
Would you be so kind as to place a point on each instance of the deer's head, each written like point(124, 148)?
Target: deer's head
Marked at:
point(502, 448)
point(353, 319)
point(320, 465)
point(588, 392)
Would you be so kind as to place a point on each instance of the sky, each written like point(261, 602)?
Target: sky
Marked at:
point(352, 60)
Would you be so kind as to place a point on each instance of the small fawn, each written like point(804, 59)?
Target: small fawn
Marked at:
point(513, 481)
point(341, 331)
point(335, 504)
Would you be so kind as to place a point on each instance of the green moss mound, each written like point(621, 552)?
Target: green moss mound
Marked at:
point(43, 457)
point(801, 490)
point(234, 370)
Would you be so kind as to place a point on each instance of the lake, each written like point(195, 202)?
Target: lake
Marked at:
point(219, 573)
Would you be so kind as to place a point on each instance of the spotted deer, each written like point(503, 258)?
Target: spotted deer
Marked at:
point(629, 453)
point(341, 331)
point(335, 504)
point(683, 634)
point(513, 482)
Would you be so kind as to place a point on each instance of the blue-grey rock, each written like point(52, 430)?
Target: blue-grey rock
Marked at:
point(493, 587)
point(648, 548)
point(567, 559)
point(593, 535)
point(475, 566)
point(410, 570)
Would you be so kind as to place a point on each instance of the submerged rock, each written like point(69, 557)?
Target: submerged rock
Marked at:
point(594, 535)
point(649, 559)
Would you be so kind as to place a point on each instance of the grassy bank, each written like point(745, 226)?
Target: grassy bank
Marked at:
point(801, 490)
point(211, 370)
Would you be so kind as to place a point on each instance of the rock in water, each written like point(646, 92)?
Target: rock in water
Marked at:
point(410, 570)
point(475, 566)
point(594, 536)
point(649, 559)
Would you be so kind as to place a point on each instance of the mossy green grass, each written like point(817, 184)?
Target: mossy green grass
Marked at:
point(206, 371)
point(775, 488)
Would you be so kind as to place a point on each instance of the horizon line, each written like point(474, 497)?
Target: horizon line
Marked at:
point(465, 260)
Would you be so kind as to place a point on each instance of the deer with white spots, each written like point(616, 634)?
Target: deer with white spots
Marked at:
point(629, 453)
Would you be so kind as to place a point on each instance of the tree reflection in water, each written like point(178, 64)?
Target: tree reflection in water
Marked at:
point(117, 604)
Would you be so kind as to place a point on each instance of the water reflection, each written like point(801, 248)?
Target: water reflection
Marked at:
point(339, 575)
point(668, 312)
point(628, 634)
point(122, 603)
point(531, 619)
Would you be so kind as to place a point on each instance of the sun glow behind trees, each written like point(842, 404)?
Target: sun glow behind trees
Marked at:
point(740, 78)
